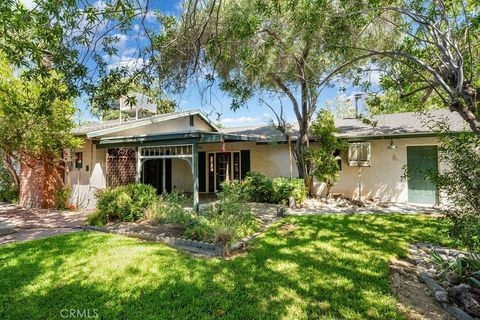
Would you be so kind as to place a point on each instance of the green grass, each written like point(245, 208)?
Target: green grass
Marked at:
point(330, 267)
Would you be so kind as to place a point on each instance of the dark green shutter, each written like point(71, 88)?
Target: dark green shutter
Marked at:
point(245, 162)
point(202, 174)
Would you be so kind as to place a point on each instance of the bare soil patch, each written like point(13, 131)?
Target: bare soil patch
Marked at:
point(415, 299)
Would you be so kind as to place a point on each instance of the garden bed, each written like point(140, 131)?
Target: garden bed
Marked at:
point(174, 235)
point(451, 275)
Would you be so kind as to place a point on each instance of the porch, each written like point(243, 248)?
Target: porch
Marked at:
point(195, 163)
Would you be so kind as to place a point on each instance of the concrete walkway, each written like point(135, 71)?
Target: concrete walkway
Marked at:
point(29, 224)
point(402, 208)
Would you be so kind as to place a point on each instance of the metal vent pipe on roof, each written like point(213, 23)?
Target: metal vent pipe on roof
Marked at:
point(357, 97)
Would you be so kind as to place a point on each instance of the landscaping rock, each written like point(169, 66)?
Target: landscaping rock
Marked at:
point(453, 278)
point(464, 296)
point(291, 203)
point(438, 291)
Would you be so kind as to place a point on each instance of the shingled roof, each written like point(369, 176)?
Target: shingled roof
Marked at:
point(387, 125)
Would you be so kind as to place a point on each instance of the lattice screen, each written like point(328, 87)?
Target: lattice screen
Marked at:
point(121, 166)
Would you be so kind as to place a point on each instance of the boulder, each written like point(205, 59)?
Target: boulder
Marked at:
point(453, 278)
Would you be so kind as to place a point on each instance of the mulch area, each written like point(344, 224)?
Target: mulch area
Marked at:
point(163, 230)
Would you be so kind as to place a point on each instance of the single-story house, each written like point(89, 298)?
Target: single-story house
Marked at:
point(185, 151)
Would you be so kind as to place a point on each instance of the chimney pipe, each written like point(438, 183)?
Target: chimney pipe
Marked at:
point(357, 97)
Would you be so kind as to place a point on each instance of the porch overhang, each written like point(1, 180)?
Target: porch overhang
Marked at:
point(172, 138)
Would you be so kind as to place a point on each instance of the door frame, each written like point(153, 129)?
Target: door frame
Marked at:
point(437, 196)
point(228, 170)
point(207, 181)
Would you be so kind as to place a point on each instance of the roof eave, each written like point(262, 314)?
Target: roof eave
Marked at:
point(136, 124)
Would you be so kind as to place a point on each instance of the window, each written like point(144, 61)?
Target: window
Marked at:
point(78, 160)
point(359, 154)
point(192, 121)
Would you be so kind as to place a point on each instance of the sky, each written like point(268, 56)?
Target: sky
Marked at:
point(215, 103)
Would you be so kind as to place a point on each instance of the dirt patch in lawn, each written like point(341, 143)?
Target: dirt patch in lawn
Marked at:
point(415, 299)
point(164, 230)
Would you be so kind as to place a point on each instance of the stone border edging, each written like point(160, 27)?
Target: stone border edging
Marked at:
point(178, 243)
point(442, 296)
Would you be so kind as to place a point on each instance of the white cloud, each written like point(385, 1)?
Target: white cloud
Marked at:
point(126, 61)
point(100, 5)
point(30, 4)
point(239, 120)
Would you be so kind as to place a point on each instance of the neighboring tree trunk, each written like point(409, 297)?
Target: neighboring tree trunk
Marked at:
point(8, 162)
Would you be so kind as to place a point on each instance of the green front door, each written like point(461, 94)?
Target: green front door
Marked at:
point(420, 161)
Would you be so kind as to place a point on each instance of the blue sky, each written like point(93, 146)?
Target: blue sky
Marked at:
point(215, 103)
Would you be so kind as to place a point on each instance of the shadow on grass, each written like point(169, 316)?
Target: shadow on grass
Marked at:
point(328, 267)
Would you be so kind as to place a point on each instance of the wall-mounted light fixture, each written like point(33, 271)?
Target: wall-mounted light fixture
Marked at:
point(392, 146)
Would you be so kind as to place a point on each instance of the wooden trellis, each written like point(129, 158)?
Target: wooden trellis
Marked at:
point(121, 166)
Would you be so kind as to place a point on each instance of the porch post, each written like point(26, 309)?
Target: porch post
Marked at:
point(139, 166)
point(195, 176)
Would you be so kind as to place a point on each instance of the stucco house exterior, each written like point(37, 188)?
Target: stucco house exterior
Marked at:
point(185, 151)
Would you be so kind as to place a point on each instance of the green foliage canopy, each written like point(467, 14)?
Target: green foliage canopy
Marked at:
point(36, 114)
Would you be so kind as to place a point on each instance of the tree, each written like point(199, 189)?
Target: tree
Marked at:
point(36, 117)
point(78, 38)
point(323, 156)
point(435, 60)
point(282, 48)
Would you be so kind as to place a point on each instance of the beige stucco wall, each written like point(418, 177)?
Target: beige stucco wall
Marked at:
point(182, 178)
point(84, 183)
point(383, 179)
point(176, 125)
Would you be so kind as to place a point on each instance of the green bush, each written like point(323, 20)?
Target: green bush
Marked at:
point(229, 219)
point(258, 187)
point(200, 229)
point(124, 203)
point(169, 209)
point(8, 188)
point(62, 197)
point(284, 188)
point(8, 193)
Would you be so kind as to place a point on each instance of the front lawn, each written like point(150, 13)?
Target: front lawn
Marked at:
point(327, 267)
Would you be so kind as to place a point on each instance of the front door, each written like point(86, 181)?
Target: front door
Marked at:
point(223, 168)
point(422, 160)
point(153, 174)
point(158, 174)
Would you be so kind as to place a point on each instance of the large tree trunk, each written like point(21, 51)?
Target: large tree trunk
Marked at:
point(40, 179)
point(469, 95)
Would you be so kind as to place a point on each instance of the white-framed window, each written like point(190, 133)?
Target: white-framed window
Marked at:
point(359, 154)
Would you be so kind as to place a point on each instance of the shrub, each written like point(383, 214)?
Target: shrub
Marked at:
point(459, 183)
point(200, 229)
point(8, 188)
point(8, 193)
point(62, 198)
point(124, 203)
point(169, 209)
point(229, 219)
point(258, 187)
point(284, 188)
